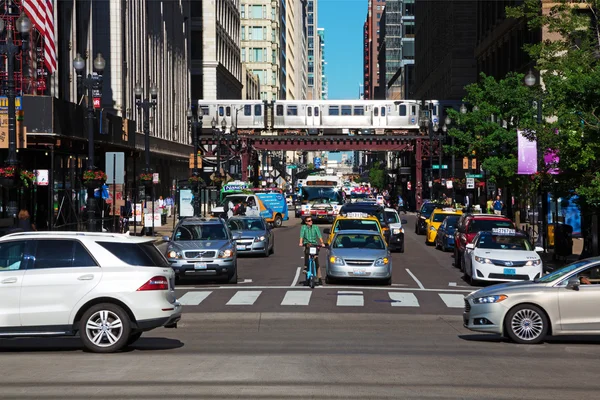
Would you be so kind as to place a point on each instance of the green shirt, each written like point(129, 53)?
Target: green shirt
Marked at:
point(309, 235)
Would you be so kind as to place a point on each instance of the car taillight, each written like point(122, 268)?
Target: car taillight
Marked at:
point(155, 283)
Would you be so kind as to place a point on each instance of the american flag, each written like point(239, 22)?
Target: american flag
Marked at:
point(41, 14)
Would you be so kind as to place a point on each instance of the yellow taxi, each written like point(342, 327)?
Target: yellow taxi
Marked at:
point(351, 221)
point(435, 220)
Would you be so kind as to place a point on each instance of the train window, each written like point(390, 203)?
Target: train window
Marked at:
point(279, 110)
point(334, 110)
point(402, 110)
point(221, 111)
point(316, 111)
point(292, 110)
point(204, 110)
point(228, 111)
point(383, 111)
point(359, 110)
point(309, 111)
point(434, 110)
point(247, 109)
point(413, 110)
point(257, 110)
point(346, 110)
point(376, 111)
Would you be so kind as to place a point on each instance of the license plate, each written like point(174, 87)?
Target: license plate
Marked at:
point(240, 247)
point(200, 266)
point(360, 271)
point(510, 271)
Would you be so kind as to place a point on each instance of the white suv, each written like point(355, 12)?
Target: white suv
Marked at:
point(108, 288)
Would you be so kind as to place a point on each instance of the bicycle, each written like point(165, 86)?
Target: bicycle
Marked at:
point(311, 273)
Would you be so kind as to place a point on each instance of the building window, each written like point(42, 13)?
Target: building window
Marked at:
point(243, 33)
point(311, 81)
point(257, 12)
point(311, 19)
point(409, 30)
point(409, 10)
point(311, 31)
point(242, 11)
point(378, 15)
point(243, 55)
point(257, 33)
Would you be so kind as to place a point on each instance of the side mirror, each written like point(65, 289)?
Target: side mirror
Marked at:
point(404, 222)
point(573, 283)
point(470, 246)
point(166, 238)
point(327, 231)
point(539, 249)
point(236, 236)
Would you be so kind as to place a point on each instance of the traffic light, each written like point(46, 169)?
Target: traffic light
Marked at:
point(465, 162)
point(474, 164)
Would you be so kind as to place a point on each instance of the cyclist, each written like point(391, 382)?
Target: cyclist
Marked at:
point(310, 234)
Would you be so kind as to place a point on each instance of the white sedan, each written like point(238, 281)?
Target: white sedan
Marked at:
point(502, 255)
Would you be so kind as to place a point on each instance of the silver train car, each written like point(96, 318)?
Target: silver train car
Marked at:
point(308, 117)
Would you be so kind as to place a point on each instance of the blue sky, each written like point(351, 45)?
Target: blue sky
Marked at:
point(343, 22)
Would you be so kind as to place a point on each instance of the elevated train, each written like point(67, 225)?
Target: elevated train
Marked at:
point(315, 117)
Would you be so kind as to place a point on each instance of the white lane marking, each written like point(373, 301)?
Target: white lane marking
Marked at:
point(246, 281)
point(296, 298)
point(193, 288)
point(453, 300)
point(296, 277)
point(193, 298)
point(451, 283)
point(399, 284)
point(415, 278)
point(350, 298)
point(403, 299)
point(244, 298)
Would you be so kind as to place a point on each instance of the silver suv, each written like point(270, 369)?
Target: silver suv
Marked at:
point(203, 247)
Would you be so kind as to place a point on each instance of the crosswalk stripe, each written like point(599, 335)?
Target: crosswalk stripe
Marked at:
point(453, 300)
point(350, 298)
point(296, 298)
point(244, 298)
point(403, 299)
point(193, 298)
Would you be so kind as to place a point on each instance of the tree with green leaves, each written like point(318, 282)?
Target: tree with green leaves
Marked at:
point(377, 176)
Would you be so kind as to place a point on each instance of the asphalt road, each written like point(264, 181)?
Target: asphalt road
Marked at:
point(304, 355)
point(424, 282)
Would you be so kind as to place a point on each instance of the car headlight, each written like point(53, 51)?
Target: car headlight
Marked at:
point(533, 262)
point(225, 253)
point(173, 254)
point(397, 231)
point(335, 260)
point(382, 261)
point(432, 229)
point(421, 217)
point(259, 239)
point(490, 299)
point(483, 260)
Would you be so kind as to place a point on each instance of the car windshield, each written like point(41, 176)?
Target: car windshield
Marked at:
point(559, 273)
point(439, 217)
point(451, 221)
point(360, 224)
point(478, 225)
point(346, 241)
point(200, 232)
point(246, 224)
point(501, 242)
point(233, 199)
point(427, 209)
point(391, 217)
point(373, 210)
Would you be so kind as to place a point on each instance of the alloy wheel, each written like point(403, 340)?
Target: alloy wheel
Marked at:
point(527, 324)
point(104, 328)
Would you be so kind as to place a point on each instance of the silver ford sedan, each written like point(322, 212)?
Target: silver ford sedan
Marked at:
point(359, 254)
point(565, 302)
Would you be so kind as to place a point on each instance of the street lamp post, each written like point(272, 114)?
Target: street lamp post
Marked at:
point(195, 124)
point(145, 106)
point(92, 84)
point(221, 134)
point(433, 128)
point(530, 80)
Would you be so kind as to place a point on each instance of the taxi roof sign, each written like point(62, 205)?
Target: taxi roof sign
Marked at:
point(504, 231)
point(356, 215)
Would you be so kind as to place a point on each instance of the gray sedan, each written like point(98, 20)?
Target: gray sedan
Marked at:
point(564, 302)
point(359, 254)
point(255, 235)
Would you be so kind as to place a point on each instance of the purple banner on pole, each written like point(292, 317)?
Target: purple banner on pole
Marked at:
point(527, 153)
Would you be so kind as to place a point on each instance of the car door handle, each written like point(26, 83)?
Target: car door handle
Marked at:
point(10, 280)
point(88, 277)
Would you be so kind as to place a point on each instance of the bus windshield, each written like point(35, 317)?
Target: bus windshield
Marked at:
point(328, 194)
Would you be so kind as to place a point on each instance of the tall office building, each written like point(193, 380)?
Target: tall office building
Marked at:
point(215, 50)
point(296, 50)
point(372, 31)
point(263, 45)
point(314, 61)
point(445, 33)
point(397, 49)
point(324, 88)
